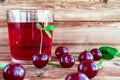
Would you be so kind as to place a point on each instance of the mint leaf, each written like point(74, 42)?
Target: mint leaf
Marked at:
point(104, 48)
point(49, 27)
point(112, 51)
point(107, 56)
point(118, 54)
point(108, 52)
point(39, 26)
point(48, 33)
point(46, 28)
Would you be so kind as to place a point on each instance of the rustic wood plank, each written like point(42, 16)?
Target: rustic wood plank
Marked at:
point(73, 18)
point(76, 36)
point(73, 11)
point(73, 49)
point(80, 32)
point(86, 32)
point(88, 15)
point(87, 35)
point(110, 70)
point(14, 1)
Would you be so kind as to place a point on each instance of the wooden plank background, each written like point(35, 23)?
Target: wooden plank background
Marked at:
point(79, 24)
point(110, 70)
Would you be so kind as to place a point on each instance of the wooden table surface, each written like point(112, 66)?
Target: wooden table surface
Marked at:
point(110, 71)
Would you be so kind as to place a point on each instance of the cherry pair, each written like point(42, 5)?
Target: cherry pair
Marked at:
point(94, 54)
point(66, 60)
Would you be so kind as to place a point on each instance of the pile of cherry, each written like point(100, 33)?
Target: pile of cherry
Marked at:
point(87, 69)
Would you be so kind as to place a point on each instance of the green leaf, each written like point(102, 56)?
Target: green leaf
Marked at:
point(112, 51)
point(39, 26)
point(108, 52)
point(107, 56)
point(118, 54)
point(53, 64)
point(49, 27)
point(2, 65)
point(48, 33)
point(104, 48)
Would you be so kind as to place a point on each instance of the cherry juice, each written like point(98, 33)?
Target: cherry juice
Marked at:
point(25, 38)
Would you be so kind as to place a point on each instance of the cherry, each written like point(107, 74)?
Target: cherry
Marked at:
point(60, 51)
point(14, 71)
point(85, 55)
point(76, 76)
point(67, 61)
point(89, 68)
point(40, 60)
point(96, 54)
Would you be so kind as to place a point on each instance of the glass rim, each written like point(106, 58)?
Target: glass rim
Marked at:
point(30, 15)
point(29, 10)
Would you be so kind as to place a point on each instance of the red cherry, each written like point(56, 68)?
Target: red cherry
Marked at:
point(14, 72)
point(67, 61)
point(40, 60)
point(85, 55)
point(89, 68)
point(60, 51)
point(76, 76)
point(96, 54)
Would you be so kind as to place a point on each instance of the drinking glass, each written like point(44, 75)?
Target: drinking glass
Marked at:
point(25, 39)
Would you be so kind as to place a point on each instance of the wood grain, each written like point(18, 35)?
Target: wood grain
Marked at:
point(110, 70)
point(73, 11)
point(80, 24)
point(76, 35)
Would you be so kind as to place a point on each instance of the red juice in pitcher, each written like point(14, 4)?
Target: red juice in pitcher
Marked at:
point(25, 38)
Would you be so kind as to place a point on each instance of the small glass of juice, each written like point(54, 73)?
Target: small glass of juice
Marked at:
point(24, 36)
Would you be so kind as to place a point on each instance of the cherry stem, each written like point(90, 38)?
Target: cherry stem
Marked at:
point(41, 41)
point(53, 64)
point(87, 49)
point(99, 64)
